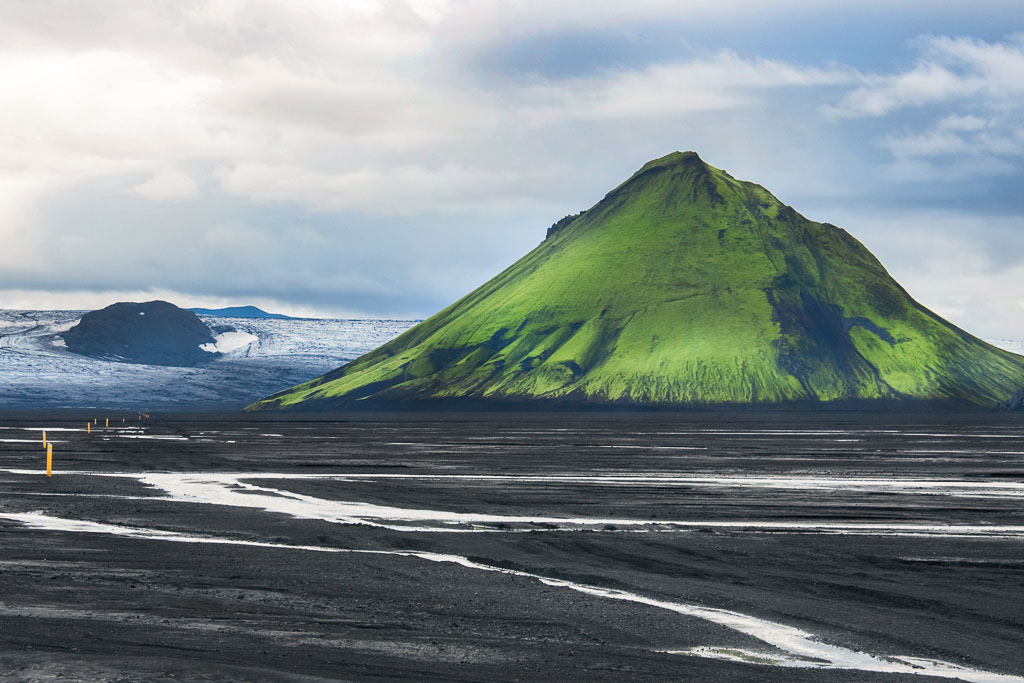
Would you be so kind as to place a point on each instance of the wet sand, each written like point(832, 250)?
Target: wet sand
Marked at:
point(514, 547)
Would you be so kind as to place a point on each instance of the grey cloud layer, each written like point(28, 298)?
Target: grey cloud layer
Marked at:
point(351, 158)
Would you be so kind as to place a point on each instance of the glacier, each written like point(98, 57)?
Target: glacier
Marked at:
point(260, 357)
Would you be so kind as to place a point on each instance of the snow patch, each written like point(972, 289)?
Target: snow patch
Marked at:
point(227, 342)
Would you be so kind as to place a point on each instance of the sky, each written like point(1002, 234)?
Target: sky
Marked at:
point(383, 158)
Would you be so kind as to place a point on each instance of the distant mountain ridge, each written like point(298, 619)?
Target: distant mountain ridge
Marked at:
point(240, 312)
point(683, 287)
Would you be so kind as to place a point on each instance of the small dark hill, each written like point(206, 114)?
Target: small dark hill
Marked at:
point(240, 312)
point(153, 333)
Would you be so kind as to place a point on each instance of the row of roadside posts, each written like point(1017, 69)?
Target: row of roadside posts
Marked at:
point(88, 430)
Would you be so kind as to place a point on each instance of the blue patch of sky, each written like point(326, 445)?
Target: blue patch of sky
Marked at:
point(869, 39)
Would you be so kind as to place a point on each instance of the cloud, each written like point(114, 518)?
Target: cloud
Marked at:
point(720, 81)
point(960, 107)
point(395, 191)
point(168, 184)
point(1000, 136)
point(370, 112)
point(962, 123)
point(950, 70)
point(360, 156)
point(999, 141)
point(926, 83)
point(313, 104)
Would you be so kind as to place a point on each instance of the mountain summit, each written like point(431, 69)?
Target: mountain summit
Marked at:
point(682, 287)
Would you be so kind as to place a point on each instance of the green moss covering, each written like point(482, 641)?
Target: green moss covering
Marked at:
point(683, 286)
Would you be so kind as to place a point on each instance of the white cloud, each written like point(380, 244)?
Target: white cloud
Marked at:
point(375, 109)
point(384, 114)
point(395, 191)
point(721, 81)
point(952, 69)
point(315, 103)
point(168, 184)
point(962, 123)
point(984, 80)
point(997, 138)
point(932, 143)
point(926, 83)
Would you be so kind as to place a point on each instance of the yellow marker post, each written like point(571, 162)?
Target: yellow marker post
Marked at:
point(44, 438)
point(88, 428)
point(49, 459)
point(107, 423)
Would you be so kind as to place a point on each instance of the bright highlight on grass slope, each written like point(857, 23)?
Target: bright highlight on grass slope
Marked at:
point(685, 287)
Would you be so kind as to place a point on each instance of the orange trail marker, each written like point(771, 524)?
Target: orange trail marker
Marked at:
point(88, 428)
point(107, 423)
point(44, 438)
point(49, 459)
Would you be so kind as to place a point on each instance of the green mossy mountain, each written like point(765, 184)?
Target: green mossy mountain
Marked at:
point(682, 287)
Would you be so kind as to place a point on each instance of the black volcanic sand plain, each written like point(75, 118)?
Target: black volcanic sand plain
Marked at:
point(98, 606)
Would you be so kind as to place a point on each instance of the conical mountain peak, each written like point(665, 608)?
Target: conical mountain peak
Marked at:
point(680, 169)
point(674, 159)
point(679, 184)
point(683, 286)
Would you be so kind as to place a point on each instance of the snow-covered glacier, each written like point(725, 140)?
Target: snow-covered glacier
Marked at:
point(260, 356)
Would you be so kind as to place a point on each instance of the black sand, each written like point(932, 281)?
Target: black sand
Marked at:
point(101, 607)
